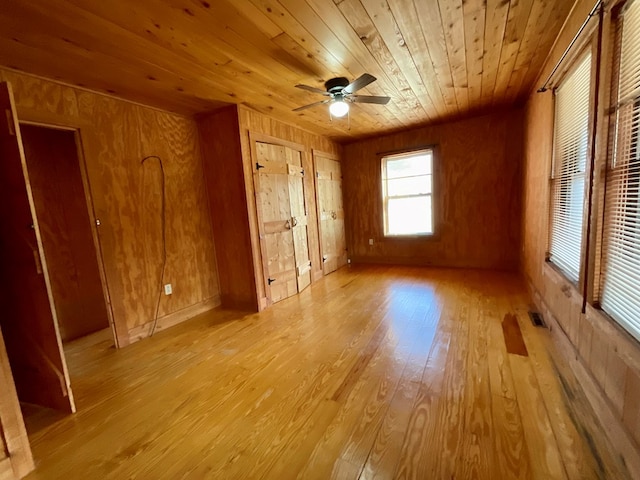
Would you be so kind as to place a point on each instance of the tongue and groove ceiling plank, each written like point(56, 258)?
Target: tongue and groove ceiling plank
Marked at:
point(436, 59)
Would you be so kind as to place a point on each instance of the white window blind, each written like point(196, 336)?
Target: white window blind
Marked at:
point(620, 279)
point(407, 189)
point(571, 141)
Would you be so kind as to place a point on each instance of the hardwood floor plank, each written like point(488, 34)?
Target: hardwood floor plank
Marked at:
point(477, 443)
point(375, 372)
point(385, 451)
point(422, 445)
point(544, 455)
point(360, 415)
point(510, 450)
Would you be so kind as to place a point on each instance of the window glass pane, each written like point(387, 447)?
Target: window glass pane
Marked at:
point(619, 292)
point(570, 157)
point(409, 216)
point(409, 166)
point(409, 186)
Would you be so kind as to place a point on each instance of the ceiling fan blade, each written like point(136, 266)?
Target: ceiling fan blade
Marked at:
point(361, 82)
point(369, 99)
point(311, 105)
point(312, 89)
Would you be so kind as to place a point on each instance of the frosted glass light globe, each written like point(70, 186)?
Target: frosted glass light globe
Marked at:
point(339, 108)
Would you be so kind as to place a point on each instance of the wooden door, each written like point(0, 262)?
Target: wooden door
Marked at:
point(271, 181)
point(28, 318)
point(333, 245)
point(282, 218)
point(298, 218)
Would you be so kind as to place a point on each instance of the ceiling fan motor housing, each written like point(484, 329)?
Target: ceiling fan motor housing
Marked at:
point(336, 85)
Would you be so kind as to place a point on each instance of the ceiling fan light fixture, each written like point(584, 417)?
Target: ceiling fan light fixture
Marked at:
point(339, 108)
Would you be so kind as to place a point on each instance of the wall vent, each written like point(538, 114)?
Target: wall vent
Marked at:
point(536, 319)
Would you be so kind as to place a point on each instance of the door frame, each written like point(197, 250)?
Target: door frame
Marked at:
point(27, 117)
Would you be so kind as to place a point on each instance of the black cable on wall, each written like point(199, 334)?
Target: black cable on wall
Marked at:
point(164, 242)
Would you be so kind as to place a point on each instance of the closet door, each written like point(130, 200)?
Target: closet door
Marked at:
point(271, 181)
point(328, 175)
point(298, 218)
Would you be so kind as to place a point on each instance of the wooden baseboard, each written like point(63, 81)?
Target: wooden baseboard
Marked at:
point(622, 443)
point(142, 331)
point(235, 303)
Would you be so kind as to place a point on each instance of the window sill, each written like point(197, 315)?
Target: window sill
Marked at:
point(413, 237)
point(559, 271)
point(594, 314)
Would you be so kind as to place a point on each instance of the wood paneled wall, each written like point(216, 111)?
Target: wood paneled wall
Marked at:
point(605, 359)
point(115, 136)
point(252, 122)
point(229, 165)
point(477, 195)
point(224, 174)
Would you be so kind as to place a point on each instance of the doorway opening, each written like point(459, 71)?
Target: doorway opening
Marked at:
point(72, 273)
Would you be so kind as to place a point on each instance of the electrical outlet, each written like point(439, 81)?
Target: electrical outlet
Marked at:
point(371, 241)
point(168, 289)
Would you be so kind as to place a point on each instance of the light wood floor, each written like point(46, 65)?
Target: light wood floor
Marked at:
point(374, 372)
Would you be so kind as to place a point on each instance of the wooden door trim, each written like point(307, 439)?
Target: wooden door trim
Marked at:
point(97, 245)
point(80, 128)
point(331, 156)
point(15, 433)
point(262, 138)
point(261, 233)
point(50, 120)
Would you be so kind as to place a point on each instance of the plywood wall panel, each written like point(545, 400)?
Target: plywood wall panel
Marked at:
point(176, 141)
point(43, 96)
point(477, 199)
point(606, 357)
point(229, 164)
point(223, 167)
point(116, 135)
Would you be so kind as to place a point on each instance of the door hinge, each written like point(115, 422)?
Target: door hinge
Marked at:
point(302, 172)
point(271, 280)
point(258, 166)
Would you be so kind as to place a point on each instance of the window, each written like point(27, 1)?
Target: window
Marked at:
point(407, 190)
point(620, 279)
point(571, 139)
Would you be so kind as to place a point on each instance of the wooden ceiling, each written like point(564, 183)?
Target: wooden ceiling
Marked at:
point(436, 59)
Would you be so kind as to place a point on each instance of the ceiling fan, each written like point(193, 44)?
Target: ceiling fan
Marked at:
point(341, 93)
